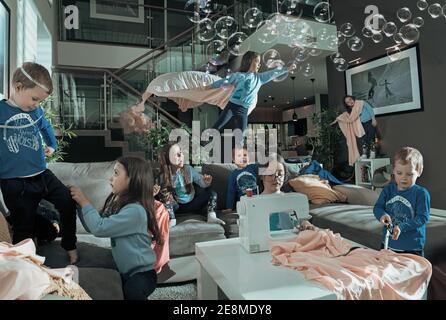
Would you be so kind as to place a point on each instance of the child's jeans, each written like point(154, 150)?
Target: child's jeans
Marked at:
point(199, 204)
point(416, 252)
point(22, 197)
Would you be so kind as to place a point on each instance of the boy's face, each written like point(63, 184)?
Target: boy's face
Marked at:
point(405, 175)
point(28, 99)
point(241, 158)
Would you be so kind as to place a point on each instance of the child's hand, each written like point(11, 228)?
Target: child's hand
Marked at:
point(306, 225)
point(49, 151)
point(396, 233)
point(79, 196)
point(156, 189)
point(207, 179)
point(386, 219)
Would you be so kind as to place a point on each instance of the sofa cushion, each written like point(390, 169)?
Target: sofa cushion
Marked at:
point(189, 230)
point(220, 175)
point(357, 194)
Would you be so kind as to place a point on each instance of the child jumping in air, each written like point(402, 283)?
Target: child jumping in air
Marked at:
point(405, 205)
point(25, 179)
point(129, 219)
point(177, 179)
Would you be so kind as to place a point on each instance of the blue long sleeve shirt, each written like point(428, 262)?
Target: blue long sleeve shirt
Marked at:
point(130, 239)
point(247, 84)
point(181, 194)
point(239, 181)
point(367, 113)
point(409, 210)
point(21, 150)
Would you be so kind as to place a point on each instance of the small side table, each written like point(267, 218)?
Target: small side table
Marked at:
point(365, 168)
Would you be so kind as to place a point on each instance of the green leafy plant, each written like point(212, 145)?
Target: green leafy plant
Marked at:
point(63, 134)
point(326, 143)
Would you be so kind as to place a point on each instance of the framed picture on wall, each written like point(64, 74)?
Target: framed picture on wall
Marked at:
point(391, 83)
point(124, 10)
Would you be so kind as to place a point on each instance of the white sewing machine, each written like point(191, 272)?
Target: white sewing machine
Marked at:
point(254, 218)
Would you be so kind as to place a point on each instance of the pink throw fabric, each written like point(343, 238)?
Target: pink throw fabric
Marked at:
point(351, 127)
point(362, 274)
point(161, 250)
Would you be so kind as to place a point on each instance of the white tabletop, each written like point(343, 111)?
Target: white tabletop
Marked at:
point(252, 276)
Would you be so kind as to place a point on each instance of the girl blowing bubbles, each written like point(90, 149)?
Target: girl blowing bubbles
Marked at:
point(129, 220)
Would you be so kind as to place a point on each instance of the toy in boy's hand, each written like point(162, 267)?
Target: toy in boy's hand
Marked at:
point(134, 119)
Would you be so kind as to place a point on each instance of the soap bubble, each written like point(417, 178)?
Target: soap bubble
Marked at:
point(268, 31)
point(367, 32)
point(335, 56)
point(292, 71)
point(292, 7)
point(323, 12)
point(215, 51)
point(341, 64)
point(278, 64)
point(409, 33)
point(376, 23)
point(238, 44)
point(225, 27)
point(301, 54)
point(253, 17)
point(377, 37)
point(269, 56)
point(347, 30)
point(341, 38)
point(390, 29)
point(314, 52)
point(397, 37)
point(422, 5)
point(404, 14)
point(394, 53)
point(418, 22)
point(307, 69)
point(206, 30)
point(304, 35)
point(197, 10)
point(435, 10)
point(355, 44)
point(228, 74)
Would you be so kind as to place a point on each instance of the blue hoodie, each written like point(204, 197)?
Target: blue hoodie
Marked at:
point(409, 210)
point(21, 151)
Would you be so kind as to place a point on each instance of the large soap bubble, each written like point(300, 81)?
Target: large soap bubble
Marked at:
point(377, 37)
point(215, 51)
point(418, 21)
point(267, 31)
point(376, 23)
point(355, 44)
point(278, 64)
point(301, 54)
point(206, 31)
point(225, 27)
point(367, 32)
point(307, 69)
point(435, 10)
point(341, 64)
point(404, 14)
point(341, 38)
point(390, 29)
point(253, 17)
point(292, 66)
point(238, 44)
point(323, 12)
point(397, 37)
point(197, 10)
point(422, 5)
point(269, 56)
point(409, 33)
point(292, 7)
point(347, 30)
point(335, 56)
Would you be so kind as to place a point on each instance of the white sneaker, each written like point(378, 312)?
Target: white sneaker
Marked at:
point(172, 223)
point(212, 218)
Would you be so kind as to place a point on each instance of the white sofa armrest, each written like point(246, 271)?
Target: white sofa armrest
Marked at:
point(357, 194)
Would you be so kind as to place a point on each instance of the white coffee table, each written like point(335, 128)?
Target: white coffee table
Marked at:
point(240, 275)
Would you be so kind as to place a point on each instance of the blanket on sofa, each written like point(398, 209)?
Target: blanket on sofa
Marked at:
point(326, 257)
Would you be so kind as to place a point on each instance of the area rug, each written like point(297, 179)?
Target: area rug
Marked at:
point(186, 291)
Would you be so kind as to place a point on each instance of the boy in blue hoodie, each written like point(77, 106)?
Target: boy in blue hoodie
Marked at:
point(242, 178)
point(404, 204)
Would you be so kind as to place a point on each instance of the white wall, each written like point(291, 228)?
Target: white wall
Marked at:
point(95, 55)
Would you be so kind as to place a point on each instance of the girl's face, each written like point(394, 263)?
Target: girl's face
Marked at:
point(255, 65)
point(349, 102)
point(120, 180)
point(176, 156)
point(273, 182)
point(28, 99)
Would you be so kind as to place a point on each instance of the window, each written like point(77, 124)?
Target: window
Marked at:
point(4, 49)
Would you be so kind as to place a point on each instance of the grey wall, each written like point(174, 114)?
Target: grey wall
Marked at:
point(423, 130)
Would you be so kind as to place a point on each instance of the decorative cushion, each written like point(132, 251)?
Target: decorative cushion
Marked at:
point(357, 194)
point(316, 189)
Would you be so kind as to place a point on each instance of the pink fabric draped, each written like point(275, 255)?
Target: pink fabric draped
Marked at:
point(161, 250)
point(362, 274)
point(351, 127)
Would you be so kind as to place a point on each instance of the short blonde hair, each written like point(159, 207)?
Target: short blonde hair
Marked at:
point(38, 73)
point(409, 155)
